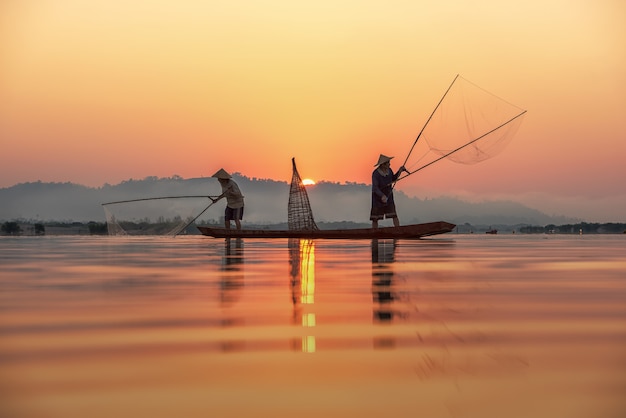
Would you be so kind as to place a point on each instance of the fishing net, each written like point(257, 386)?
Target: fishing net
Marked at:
point(299, 213)
point(153, 216)
point(469, 125)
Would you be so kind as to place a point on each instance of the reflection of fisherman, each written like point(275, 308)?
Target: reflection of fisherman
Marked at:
point(383, 253)
point(233, 255)
point(232, 279)
point(234, 198)
point(383, 205)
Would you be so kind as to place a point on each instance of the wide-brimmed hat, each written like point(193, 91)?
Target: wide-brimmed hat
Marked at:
point(221, 174)
point(382, 159)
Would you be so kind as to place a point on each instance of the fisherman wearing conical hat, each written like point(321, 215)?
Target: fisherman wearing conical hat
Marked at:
point(383, 178)
point(234, 198)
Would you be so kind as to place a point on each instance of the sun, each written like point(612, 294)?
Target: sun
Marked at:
point(308, 182)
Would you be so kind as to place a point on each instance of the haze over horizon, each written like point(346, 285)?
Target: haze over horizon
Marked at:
point(266, 202)
point(104, 91)
point(347, 199)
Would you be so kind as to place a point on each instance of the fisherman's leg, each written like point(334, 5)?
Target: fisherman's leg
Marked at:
point(375, 215)
point(227, 217)
point(238, 216)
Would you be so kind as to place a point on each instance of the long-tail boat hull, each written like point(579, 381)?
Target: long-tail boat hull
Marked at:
point(405, 231)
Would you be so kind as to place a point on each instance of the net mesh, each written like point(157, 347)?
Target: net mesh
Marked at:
point(468, 126)
point(299, 213)
point(153, 216)
point(113, 226)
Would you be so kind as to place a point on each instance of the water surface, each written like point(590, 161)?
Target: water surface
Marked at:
point(453, 326)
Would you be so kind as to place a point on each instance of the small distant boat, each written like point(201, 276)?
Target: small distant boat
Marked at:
point(492, 231)
point(392, 232)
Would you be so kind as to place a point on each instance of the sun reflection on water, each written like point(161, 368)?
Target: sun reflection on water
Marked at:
point(302, 262)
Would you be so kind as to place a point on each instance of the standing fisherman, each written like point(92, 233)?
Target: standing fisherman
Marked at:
point(234, 198)
point(383, 178)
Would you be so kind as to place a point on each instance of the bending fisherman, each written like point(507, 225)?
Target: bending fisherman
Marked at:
point(234, 198)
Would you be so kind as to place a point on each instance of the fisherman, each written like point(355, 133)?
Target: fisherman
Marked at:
point(234, 198)
point(383, 178)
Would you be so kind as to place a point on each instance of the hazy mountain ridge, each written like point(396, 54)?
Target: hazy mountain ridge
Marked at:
point(266, 202)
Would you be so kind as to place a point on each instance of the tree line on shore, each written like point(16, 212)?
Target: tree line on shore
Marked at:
point(578, 228)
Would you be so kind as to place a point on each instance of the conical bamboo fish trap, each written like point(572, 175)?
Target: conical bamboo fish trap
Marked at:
point(299, 213)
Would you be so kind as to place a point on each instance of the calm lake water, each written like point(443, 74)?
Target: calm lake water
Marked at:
point(453, 326)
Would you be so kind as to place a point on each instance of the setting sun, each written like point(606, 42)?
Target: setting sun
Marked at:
point(308, 182)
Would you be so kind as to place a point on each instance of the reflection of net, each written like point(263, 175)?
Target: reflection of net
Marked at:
point(299, 213)
point(159, 216)
point(469, 125)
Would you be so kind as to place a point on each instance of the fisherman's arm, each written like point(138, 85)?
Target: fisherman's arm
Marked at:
point(400, 170)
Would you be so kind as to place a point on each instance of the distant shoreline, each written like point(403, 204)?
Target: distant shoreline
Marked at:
point(17, 228)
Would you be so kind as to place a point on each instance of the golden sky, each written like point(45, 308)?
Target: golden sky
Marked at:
point(97, 91)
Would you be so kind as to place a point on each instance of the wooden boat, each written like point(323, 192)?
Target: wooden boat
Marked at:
point(405, 231)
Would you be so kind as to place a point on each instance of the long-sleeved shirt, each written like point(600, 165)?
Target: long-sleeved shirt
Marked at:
point(382, 186)
point(231, 192)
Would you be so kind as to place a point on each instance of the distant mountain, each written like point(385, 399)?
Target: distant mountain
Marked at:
point(266, 202)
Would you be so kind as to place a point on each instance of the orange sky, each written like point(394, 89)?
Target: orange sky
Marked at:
point(98, 92)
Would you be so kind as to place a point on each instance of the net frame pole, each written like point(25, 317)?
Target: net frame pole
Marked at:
point(213, 201)
point(156, 198)
point(178, 230)
point(428, 120)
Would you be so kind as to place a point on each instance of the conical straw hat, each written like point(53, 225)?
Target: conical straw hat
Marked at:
point(382, 159)
point(221, 174)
